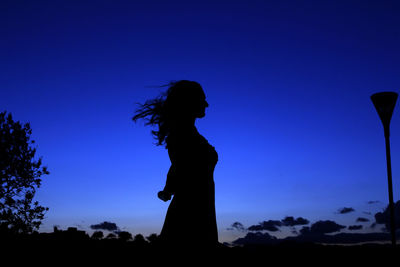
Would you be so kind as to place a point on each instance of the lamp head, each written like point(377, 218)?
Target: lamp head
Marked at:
point(384, 103)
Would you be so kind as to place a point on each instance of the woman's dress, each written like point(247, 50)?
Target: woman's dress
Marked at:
point(191, 213)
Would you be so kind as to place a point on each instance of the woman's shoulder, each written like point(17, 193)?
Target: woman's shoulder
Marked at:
point(187, 138)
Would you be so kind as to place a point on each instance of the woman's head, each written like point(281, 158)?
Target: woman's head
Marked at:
point(185, 100)
point(178, 107)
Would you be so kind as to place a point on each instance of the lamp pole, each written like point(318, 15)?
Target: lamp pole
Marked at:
point(384, 103)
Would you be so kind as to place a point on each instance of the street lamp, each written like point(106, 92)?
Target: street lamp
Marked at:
point(384, 103)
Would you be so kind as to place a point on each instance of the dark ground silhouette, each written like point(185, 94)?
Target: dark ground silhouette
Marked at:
point(76, 247)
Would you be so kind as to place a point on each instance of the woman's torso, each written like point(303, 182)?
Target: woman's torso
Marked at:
point(194, 160)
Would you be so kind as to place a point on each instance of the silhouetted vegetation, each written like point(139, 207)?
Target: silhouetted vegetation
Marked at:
point(20, 176)
point(125, 236)
point(74, 244)
point(97, 235)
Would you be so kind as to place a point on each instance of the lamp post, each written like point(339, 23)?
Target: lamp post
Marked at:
point(384, 103)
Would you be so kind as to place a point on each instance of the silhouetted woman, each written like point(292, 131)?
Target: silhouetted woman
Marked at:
point(191, 213)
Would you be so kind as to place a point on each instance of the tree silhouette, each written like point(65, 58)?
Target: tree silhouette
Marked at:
point(139, 239)
point(111, 236)
point(152, 238)
point(124, 236)
point(97, 235)
point(19, 178)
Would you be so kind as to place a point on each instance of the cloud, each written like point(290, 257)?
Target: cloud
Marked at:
point(342, 238)
point(384, 217)
point(355, 227)
point(273, 225)
point(345, 210)
point(294, 231)
point(109, 226)
point(323, 232)
point(259, 238)
point(324, 227)
point(305, 230)
point(361, 219)
point(291, 221)
point(256, 238)
point(237, 226)
point(373, 202)
point(270, 225)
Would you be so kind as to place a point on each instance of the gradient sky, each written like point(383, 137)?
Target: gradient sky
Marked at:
point(288, 83)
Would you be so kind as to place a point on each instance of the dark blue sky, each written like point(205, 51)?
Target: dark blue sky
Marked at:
point(288, 83)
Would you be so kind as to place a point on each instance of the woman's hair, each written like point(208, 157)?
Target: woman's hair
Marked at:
point(165, 110)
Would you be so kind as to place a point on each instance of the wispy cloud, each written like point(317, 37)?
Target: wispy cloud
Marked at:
point(345, 210)
point(108, 226)
point(355, 227)
point(270, 225)
point(362, 219)
point(237, 226)
point(291, 221)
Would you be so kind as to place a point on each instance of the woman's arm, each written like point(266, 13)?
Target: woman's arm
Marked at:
point(183, 166)
point(168, 190)
point(170, 183)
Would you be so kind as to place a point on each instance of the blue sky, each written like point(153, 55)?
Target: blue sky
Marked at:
point(288, 83)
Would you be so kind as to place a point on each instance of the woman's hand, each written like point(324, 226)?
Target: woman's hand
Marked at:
point(164, 196)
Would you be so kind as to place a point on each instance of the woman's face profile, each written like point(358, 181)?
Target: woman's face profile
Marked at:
point(200, 106)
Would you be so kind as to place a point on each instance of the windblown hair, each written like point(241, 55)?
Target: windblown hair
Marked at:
point(164, 110)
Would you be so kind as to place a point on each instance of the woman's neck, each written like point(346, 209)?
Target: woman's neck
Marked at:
point(184, 125)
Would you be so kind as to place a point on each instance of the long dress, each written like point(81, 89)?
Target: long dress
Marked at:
point(191, 214)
